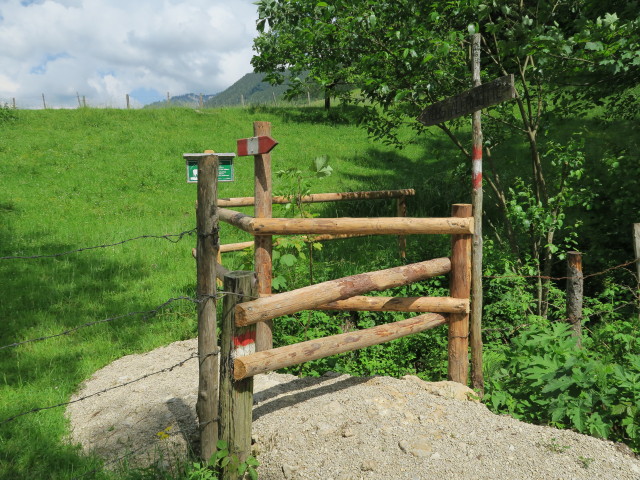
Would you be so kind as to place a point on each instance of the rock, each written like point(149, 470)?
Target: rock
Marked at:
point(445, 389)
point(368, 466)
point(418, 447)
point(288, 471)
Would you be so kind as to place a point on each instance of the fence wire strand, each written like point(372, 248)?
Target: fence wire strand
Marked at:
point(63, 404)
point(545, 277)
point(168, 237)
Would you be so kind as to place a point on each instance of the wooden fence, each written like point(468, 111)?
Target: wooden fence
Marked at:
point(250, 307)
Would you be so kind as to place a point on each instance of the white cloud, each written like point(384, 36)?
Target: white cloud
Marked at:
point(104, 49)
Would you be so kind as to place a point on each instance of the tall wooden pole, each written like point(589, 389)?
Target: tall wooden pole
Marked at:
point(402, 240)
point(636, 246)
point(128, 102)
point(263, 243)
point(78, 95)
point(477, 378)
point(575, 289)
point(44, 104)
point(236, 397)
point(460, 285)
point(207, 249)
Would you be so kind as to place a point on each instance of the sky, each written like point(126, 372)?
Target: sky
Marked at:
point(103, 50)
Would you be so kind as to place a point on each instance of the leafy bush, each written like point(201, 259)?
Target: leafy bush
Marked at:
point(7, 114)
point(543, 378)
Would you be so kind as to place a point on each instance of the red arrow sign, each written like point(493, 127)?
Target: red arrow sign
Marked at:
point(255, 146)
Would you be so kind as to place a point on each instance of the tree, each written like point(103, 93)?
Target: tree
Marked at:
point(399, 56)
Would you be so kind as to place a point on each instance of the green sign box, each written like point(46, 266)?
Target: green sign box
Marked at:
point(225, 167)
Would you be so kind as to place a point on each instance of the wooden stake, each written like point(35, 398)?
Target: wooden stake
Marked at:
point(44, 104)
point(308, 298)
point(460, 285)
point(14, 102)
point(236, 397)
point(201, 102)
point(84, 101)
point(282, 357)
point(402, 212)
point(78, 95)
point(207, 246)
point(368, 226)
point(477, 377)
point(575, 289)
point(168, 99)
point(263, 243)
point(128, 103)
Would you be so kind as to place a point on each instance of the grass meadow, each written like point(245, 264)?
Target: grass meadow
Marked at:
point(73, 179)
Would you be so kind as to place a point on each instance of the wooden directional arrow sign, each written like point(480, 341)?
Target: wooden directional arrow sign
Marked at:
point(255, 146)
point(487, 94)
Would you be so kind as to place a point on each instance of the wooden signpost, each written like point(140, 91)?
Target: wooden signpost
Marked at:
point(255, 145)
point(500, 90)
point(472, 102)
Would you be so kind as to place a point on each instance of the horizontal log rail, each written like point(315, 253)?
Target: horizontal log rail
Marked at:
point(265, 361)
point(400, 304)
point(319, 197)
point(308, 298)
point(234, 247)
point(368, 226)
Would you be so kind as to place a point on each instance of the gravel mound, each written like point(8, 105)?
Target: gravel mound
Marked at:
point(335, 428)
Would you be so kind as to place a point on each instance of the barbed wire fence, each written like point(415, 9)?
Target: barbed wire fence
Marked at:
point(148, 314)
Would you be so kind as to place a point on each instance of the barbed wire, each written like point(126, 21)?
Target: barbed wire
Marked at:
point(63, 404)
point(52, 255)
point(145, 316)
point(546, 277)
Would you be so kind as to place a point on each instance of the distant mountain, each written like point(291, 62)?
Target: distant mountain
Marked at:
point(249, 90)
point(252, 90)
point(186, 100)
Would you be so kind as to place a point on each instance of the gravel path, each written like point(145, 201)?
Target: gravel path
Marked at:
point(336, 427)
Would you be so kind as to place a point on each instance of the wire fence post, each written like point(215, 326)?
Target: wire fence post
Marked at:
point(236, 396)
point(575, 289)
point(460, 286)
point(207, 249)
point(263, 243)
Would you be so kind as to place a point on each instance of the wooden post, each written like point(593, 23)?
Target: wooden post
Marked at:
point(78, 95)
point(402, 240)
point(308, 97)
point(636, 249)
point(206, 248)
point(44, 104)
point(274, 98)
point(460, 284)
point(84, 101)
point(14, 103)
point(575, 289)
point(201, 102)
point(168, 99)
point(477, 378)
point(242, 99)
point(263, 243)
point(128, 103)
point(236, 397)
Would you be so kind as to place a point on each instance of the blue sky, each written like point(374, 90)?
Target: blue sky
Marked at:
point(105, 49)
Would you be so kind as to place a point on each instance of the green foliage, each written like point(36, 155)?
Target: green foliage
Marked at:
point(7, 114)
point(545, 379)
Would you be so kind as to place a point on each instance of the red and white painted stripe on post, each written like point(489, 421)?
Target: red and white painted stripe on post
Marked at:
point(255, 145)
point(244, 344)
point(476, 168)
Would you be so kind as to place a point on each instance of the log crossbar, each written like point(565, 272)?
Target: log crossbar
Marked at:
point(265, 361)
point(369, 226)
point(320, 197)
point(308, 298)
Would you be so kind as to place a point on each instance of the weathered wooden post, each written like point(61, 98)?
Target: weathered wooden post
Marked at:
point(263, 243)
point(402, 212)
point(575, 289)
point(477, 377)
point(460, 285)
point(636, 249)
point(128, 102)
point(206, 253)
point(236, 396)
point(44, 103)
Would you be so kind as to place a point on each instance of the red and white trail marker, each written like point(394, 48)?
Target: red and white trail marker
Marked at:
point(255, 145)
point(244, 344)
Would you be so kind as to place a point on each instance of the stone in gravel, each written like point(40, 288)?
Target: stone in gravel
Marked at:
point(368, 466)
point(288, 471)
point(418, 447)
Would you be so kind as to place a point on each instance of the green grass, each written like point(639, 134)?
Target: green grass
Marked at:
point(78, 178)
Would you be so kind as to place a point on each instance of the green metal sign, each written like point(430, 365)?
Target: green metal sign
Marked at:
point(225, 166)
